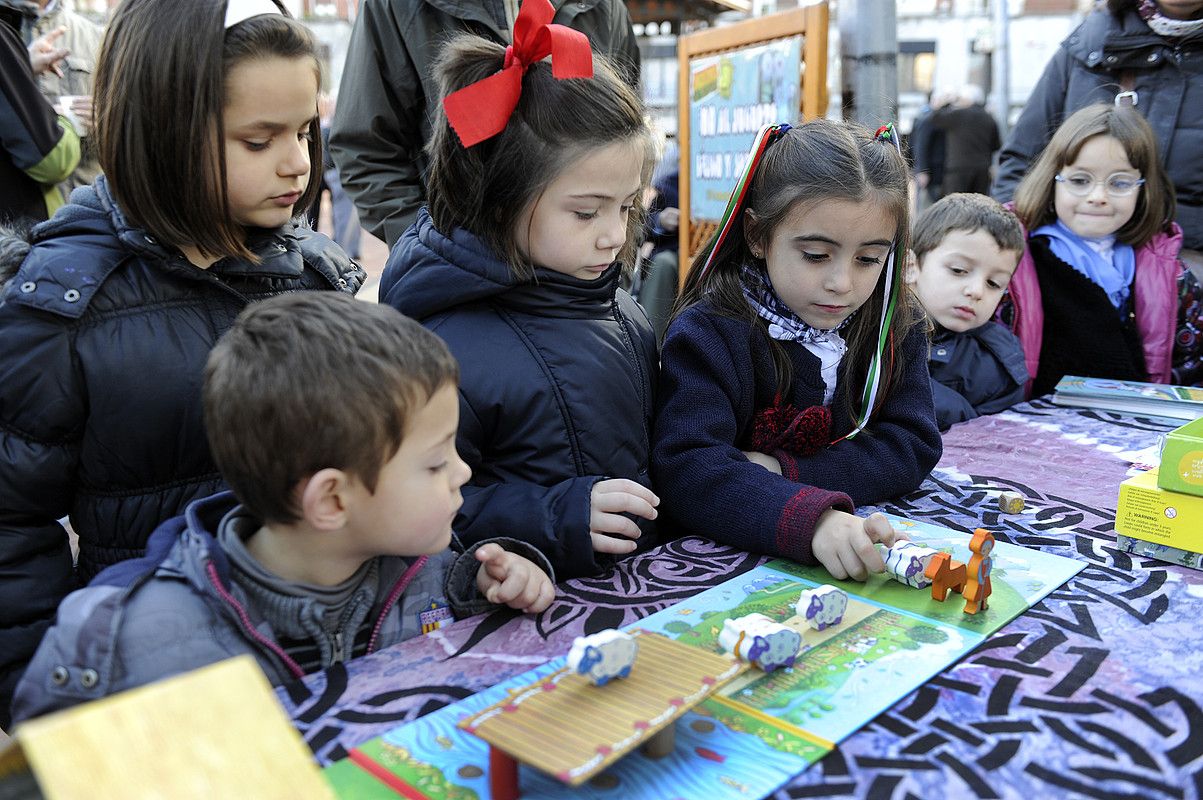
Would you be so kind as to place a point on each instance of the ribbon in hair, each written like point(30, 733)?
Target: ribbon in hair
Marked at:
point(242, 10)
point(481, 110)
point(768, 134)
point(886, 135)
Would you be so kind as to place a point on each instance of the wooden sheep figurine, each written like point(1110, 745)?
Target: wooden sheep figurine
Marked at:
point(822, 607)
point(603, 655)
point(759, 640)
point(906, 562)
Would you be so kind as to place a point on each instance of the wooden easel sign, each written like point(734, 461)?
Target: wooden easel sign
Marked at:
point(733, 81)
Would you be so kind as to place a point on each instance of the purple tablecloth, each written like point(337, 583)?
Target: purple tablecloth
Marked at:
point(1096, 692)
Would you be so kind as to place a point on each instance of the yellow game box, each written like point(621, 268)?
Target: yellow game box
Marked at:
point(1152, 514)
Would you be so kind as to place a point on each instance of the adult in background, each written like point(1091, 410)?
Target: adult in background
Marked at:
point(927, 153)
point(1146, 53)
point(658, 286)
point(970, 141)
point(388, 96)
point(72, 79)
point(37, 148)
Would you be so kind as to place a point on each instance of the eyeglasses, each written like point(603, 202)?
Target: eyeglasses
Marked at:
point(1081, 184)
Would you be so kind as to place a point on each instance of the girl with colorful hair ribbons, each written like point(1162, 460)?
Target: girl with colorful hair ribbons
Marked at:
point(537, 167)
point(793, 378)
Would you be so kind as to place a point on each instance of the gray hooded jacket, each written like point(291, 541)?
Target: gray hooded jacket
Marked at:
point(182, 607)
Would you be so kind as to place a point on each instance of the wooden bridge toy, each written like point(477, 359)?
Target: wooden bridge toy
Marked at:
point(541, 724)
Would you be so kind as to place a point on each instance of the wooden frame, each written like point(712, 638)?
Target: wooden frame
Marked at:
point(811, 23)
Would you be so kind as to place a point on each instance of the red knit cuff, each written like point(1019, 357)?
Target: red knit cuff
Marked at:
point(796, 528)
point(789, 464)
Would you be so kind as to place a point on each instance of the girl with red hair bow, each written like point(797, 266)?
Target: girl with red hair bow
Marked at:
point(537, 166)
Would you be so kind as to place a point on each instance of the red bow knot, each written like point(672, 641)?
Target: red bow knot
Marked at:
point(481, 110)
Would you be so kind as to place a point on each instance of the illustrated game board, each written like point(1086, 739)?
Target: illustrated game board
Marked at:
point(760, 729)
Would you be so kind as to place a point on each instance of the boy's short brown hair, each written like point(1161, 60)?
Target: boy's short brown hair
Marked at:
point(966, 212)
point(310, 380)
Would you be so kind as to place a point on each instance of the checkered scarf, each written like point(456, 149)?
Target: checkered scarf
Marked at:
point(785, 326)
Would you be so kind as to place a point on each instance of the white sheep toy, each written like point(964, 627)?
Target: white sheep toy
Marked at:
point(822, 607)
point(759, 640)
point(602, 656)
point(906, 562)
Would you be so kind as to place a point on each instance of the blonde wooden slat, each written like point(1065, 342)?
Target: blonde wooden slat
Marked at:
point(216, 732)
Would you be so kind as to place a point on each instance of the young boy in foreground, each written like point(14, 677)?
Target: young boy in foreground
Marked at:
point(964, 251)
point(333, 421)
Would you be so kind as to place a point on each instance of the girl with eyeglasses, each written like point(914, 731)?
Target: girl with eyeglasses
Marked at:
point(1101, 291)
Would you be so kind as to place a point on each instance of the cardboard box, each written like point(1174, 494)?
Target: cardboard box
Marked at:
point(1182, 460)
point(1160, 552)
point(1149, 513)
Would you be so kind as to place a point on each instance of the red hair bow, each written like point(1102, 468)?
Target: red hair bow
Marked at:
point(481, 110)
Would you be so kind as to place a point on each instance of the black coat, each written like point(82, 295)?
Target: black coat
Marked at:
point(390, 97)
point(106, 334)
point(555, 387)
point(1088, 68)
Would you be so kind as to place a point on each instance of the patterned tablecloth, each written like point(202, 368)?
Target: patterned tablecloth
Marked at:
point(1096, 692)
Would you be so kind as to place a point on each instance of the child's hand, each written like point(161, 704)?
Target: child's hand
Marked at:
point(608, 501)
point(843, 543)
point(507, 578)
point(766, 461)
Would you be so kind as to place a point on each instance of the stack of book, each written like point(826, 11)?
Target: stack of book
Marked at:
point(1130, 397)
point(1160, 512)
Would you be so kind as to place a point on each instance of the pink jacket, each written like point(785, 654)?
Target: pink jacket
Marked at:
point(1156, 305)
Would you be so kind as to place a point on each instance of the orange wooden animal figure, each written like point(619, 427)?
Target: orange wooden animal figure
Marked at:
point(977, 586)
point(944, 574)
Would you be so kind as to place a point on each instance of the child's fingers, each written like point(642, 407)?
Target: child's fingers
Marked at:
point(547, 593)
point(852, 562)
point(834, 567)
point(624, 486)
point(611, 544)
point(488, 554)
point(613, 524)
point(626, 503)
point(528, 593)
point(879, 529)
point(868, 554)
point(517, 590)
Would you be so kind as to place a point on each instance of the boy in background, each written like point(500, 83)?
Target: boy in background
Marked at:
point(964, 251)
point(335, 539)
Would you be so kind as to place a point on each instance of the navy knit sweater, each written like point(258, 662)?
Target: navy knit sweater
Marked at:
point(716, 373)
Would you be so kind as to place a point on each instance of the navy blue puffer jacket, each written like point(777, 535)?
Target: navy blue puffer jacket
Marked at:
point(555, 390)
point(105, 335)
